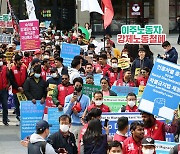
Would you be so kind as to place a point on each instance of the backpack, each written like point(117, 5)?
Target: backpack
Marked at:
point(37, 148)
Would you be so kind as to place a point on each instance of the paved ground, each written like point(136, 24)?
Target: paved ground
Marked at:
point(9, 136)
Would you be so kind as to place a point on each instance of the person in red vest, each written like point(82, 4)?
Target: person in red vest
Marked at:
point(102, 67)
point(144, 75)
point(114, 73)
point(123, 127)
point(131, 103)
point(126, 81)
point(27, 59)
point(148, 145)
point(133, 145)
point(4, 84)
point(155, 128)
point(98, 102)
point(45, 69)
point(18, 75)
point(61, 91)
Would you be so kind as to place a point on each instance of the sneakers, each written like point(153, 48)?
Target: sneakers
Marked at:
point(6, 123)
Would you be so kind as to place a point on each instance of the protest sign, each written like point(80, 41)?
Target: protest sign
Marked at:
point(124, 63)
point(51, 88)
point(132, 116)
point(137, 72)
point(6, 21)
point(97, 78)
point(53, 119)
point(135, 34)
point(9, 56)
point(21, 96)
point(141, 90)
point(68, 52)
point(162, 92)
point(124, 90)
point(89, 89)
point(30, 115)
point(29, 32)
point(10, 102)
point(163, 147)
point(5, 38)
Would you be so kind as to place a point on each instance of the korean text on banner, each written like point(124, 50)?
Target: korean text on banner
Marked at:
point(29, 32)
point(162, 92)
point(53, 119)
point(124, 90)
point(30, 115)
point(68, 52)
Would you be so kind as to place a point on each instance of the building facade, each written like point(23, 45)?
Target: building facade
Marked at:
point(64, 13)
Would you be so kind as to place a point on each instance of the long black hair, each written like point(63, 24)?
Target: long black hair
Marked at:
point(93, 132)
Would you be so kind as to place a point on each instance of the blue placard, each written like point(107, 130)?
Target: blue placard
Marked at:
point(30, 115)
point(132, 116)
point(124, 90)
point(18, 47)
point(162, 92)
point(53, 119)
point(163, 147)
point(68, 52)
point(97, 78)
point(10, 102)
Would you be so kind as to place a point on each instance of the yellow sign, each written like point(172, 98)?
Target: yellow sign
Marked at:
point(124, 63)
point(51, 88)
point(141, 90)
point(9, 55)
point(137, 72)
point(21, 97)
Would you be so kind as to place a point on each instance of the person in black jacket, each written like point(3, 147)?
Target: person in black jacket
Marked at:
point(35, 88)
point(178, 22)
point(64, 140)
point(60, 67)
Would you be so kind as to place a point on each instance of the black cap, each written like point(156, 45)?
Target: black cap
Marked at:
point(35, 60)
point(41, 126)
point(148, 141)
point(90, 76)
point(141, 49)
point(53, 70)
point(91, 46)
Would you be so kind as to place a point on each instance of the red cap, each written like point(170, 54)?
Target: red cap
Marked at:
point(37, 52)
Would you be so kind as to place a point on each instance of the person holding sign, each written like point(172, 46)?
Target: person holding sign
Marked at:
point(97, 102)
point(75, 105)
point(155, 128)
point(132, 145)
point(4, 85)
point(35, 88)
point(141, 62)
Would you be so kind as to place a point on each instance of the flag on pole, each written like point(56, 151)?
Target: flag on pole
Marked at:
point(108, 12)
point(14, 19)
point(91, 6)
point(30, 9)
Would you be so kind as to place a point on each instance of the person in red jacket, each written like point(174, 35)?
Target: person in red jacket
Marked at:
point(4, 84)
point(131, 104)
point(45, 69)
point(132, 145)
point(126, 81)
point(61, 91)
point(27, 59)
point(18, 75)
point(102, 67)
point(123, 127)
point(98, 102)
point(155, 128)
point(114, 73)
point(144, 75)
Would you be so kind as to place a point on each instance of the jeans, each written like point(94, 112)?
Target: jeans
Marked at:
point(3, 99)
point(17, 104)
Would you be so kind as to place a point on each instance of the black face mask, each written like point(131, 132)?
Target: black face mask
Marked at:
point(26, 54)
point(78, 89)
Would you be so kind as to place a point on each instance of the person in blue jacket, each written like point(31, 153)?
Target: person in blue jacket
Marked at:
point(171, 54)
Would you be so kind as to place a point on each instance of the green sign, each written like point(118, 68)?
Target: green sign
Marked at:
point(90, 89)
point(5, 17)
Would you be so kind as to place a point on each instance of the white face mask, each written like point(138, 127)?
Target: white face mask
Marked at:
point(46, 57)
point(56, 37)
point(131, 103)
point(36, 75)
point(54, 75)
point(1, 63)
point(114, 65)
point(47, 41)
point(165, 50)
point(64, 128)
point(147, 151)
point(125, 55)
point(98, 103)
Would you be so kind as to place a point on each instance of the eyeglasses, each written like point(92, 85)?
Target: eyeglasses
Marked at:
point(64, 78)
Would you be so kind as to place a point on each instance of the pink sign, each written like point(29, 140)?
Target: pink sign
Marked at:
point(29, 34)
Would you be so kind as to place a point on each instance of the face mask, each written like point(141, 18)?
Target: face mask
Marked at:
point(94, 62)
point(1, 63)
point(98, 103)
point(125, 55)
point(36, 75)
point(56, 37)
point(114, 65)
point(147, 151)
point(54, 75)
point(58, 43)
point(47, 41)
point(131, 103)
point(64, 128)
point(46, 57)
point(90, 55)
point(78, 89)
point(165, 50)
